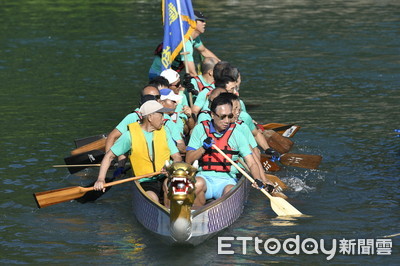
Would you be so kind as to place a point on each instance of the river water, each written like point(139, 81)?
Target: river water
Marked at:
point(72, 69)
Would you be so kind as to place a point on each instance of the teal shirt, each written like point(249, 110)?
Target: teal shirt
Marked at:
point(172, 127)
point(237, 142)
point(247, 134)
point(202, 99)
point(246, 118)
point(203, 116)
point(242, 106)
point(129, 119)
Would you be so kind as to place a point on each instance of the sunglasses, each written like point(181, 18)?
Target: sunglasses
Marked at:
point(177, 84)
point(222, 117)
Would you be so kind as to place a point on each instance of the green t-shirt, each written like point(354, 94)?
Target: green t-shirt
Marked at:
point(172, 127)
point(237, 142)
point(129, 119)
point(247, 134)
point(246, 118)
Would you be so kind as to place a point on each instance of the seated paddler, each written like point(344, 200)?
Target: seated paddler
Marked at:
point(216, 176)
point(149, 144)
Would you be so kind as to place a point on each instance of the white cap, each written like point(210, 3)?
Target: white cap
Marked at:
point(168, 94)
point(151, 107)
point(171, 75)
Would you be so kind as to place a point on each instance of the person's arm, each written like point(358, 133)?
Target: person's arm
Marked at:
point(105, 164)
point(176, 157)
point(254, 169)
point(193, 155)
point(260, 139)
point(180, 144)
point(189, 65)
point(204, 51)
point(112, 138)
point(121, 146)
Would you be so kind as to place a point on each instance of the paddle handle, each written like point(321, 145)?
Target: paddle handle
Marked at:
point(130, 179)
point(240, 169)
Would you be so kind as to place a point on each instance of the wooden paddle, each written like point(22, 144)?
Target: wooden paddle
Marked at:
point(307, 161)
point(83, 141)
point(51, 197)
point(99, 144)
point(283, 129)
point(90, 157)
point(277, 142)
point(279, 205)
point(269, 165)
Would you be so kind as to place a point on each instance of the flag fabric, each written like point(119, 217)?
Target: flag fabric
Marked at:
point(179, 23)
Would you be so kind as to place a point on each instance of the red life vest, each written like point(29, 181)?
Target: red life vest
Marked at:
point(212, 160)
point(201, 85)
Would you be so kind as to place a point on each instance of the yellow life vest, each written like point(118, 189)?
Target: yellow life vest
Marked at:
point(140, 157)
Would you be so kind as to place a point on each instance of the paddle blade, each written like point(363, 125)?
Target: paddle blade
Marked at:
point(275, 180)
point(51, 197)
point(283, 208)
point(307, 161)
point(277, 142)
point(95, 145)
point(87, 140)
point(269, 165)
point(91, 157)
point(285, 130)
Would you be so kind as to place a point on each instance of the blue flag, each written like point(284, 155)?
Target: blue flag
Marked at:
point(179, 23)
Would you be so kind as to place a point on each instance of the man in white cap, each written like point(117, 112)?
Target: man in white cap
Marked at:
point(194, 42)
point(184, 111)
point(172, 121)
point(150, 146)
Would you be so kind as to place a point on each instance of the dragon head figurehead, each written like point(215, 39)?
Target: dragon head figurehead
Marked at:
point(181, 193)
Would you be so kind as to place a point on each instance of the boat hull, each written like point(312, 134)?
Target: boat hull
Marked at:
point(206, 221)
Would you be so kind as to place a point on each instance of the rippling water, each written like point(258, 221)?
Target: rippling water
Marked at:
point(71, 69)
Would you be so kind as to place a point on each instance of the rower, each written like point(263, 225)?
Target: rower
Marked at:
point(183, 109)
point(203, 84)
point(172, 120)
point(149, 92)
point(149, 145)
point(217, 176)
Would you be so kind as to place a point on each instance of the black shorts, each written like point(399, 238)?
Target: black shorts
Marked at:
point(155, 186)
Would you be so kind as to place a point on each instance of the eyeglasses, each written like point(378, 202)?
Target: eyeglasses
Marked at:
point(222, 117)
point(176, 85)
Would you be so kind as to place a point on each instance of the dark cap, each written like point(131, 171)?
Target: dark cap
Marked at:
point(199, 15)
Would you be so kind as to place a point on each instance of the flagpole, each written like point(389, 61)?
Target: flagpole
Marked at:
point(178, 4)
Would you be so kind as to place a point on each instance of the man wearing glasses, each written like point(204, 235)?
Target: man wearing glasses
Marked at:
point(216, 175)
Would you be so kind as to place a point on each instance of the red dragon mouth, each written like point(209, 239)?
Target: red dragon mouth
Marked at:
point(180, 185)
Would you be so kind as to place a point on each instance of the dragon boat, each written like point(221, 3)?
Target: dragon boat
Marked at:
point(181, 223)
